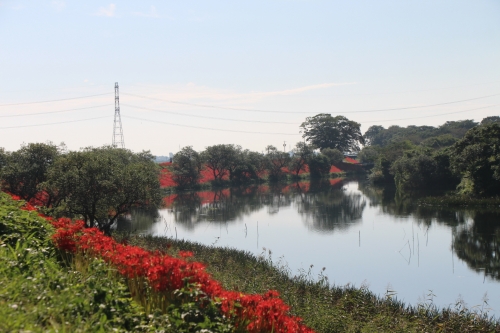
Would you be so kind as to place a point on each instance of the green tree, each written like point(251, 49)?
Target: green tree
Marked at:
point(27, 167)
point(424, 169)
point(477, 158)
point(100, 184)
point(319, 165)
point(368, 155)
point(221, 159)
point(301, 154)
point(438, 142)
point(276, 161)
point(489, 120)
point(335, 156)
point(371, 134)
point(324, 131)
point(186, 167)
point(251, 166)
point(3, 162)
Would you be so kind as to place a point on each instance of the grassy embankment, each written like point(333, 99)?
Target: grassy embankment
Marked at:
point(45, 290)
point(41, 291)
point(325, 308)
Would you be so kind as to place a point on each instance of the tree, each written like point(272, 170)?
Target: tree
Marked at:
point(100, 184)
point(3, 162)
point(477, 158)
point(423, 169)
point(186, 167)
point(250, 166)
point(276, 161)
point(324, 131)
point(489, 120)
point(368, 155)
point(301, 154)
point(27, 167)
point(370, 135)
point(333, 155)
point(319, 166)
point(221, 159)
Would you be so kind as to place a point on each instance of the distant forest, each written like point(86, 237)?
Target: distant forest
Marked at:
point(462, 155)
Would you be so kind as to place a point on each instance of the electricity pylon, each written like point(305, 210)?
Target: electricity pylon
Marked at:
point(117, 128)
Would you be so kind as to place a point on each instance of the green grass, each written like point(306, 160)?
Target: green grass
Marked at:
point(323, 307)
point(43, 290)
point(456, 200)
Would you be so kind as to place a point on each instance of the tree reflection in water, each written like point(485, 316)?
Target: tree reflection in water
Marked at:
point(326, 207)
point(478, 244)
point(329, 208)
point(323, 205)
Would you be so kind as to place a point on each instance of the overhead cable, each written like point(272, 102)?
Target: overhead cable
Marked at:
point(58, 123)
point(206, 128)
point(207, 117)
point(436, 115)
point(48, 112)
point(301, 112)
point(55, 100)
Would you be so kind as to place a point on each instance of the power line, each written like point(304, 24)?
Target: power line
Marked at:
point(300, 112)
point(207, 128)
point(54, 100)
point(61, 122)
point(49, 112)
point(436, 115)
point(207, 117)
point(407, 91)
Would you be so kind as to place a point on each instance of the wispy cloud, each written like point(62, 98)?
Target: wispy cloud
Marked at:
point(194, 93)
point(299, 90)
point(58, 4)
point(108, 11)
point(152, 13)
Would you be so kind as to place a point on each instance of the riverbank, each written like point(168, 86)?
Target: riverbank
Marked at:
point(42, 292)
point(173, 293)
point(323, 307)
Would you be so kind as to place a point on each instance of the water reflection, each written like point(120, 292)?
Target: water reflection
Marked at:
point(332, 209)
point(479, 244)
point(391, 225)
point(324, 205)
point(400, 204)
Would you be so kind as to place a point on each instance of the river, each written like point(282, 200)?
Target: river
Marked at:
point(361, 235)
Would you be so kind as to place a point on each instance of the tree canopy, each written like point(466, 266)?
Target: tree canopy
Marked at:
point(186, 167)
point(324, 131)
point(23, 170)
point(477, 158)
point(100, 184)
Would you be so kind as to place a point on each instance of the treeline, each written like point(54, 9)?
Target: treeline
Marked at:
point(458, 155)
point(230, 163)
point(96, 184)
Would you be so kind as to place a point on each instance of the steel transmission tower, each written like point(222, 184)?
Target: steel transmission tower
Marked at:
point(117, 128)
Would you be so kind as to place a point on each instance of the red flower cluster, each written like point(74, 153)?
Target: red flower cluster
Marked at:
point(351, 160)
point(259, 313)
point(207, 175)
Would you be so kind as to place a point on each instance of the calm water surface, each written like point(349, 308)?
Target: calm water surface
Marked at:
point(361, 235)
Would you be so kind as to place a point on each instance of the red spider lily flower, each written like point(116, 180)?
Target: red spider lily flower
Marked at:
point(260, 313)
point(185, 254)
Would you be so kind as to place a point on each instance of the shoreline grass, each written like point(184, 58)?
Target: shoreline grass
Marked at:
point(323, 307)
point(458, 201)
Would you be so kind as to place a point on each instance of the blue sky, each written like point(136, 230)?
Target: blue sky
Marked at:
point(297, 57)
